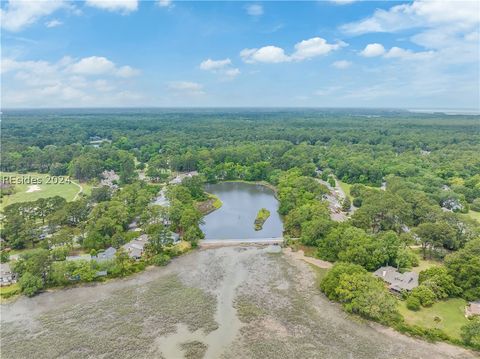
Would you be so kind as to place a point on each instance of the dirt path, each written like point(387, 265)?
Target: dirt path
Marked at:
point(80, 190)
point(230, 302)
point(300, 255)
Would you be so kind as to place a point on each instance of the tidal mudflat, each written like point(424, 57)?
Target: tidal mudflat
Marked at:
point(232, 302)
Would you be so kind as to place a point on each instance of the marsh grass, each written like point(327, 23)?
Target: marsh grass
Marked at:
point(123, 325)
point(194, 350)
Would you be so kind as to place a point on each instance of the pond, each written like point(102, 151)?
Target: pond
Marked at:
point(241, 203)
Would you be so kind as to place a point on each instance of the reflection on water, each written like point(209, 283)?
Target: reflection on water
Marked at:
point(241, 202)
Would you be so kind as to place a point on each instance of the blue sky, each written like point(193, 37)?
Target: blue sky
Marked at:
point(102, 53)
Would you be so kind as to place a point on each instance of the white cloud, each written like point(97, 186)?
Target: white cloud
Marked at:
point(254, 10)
point(342, 64)
point(126, 71)
point(122, 6)
point(186, 88)
point(222, 67)
point(304, 50)
point(164, 3)
point(98, 65)
point(372, 50)
point(420, 13)
point(18, 14)
point(313, 47)
point(94, 65)
point(398, 52)
point(53, 84)
point(375, 50)
point(103, 85)
point(53, 23)
point(232, 73)
point(267, 54)
point(448, 27)
point(210, 64)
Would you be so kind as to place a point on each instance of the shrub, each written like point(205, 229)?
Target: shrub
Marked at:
point(356, 190)
point(331, 181)
point(475, 205)
point(413, 303)
point(357, 202)
point(430, 334)
point(425, 295)
point(4, 256)
point(30, 284)
point(464, 266)
point(366, 296)
point(330, 282)
point(439, 281)
point(470, 333)
point(346, 204)
point(161, 260)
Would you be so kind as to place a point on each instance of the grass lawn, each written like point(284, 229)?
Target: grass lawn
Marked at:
point(346, 188)
point(473, 214)
point(451, 312)
point(308, 251)
point(28, 249)
point(424, 263)
point(44, 190)
point(320, 274)
point(9, 291)
point(217, 202)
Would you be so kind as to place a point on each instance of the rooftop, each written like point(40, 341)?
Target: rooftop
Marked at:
point(106, 255)
point(473, 308)
point(398, 281)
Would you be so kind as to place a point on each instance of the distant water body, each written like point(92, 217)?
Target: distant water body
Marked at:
point(453, 112)
point(241, 203)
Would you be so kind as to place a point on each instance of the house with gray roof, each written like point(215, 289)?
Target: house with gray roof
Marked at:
point(107, 255)
point(472, 309)
point(161, 199)
point(181, 176)
point(397, 282)
point(135, 247)
point(7, 277)
point(175, 237)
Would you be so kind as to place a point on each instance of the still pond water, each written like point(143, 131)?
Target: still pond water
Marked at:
point(241, 203)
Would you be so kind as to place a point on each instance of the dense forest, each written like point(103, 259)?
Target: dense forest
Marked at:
point(413, 180)
point(431, 151)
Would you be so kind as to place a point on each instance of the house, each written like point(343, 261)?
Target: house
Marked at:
point(176, 237)
point(135, 247)
point(398, 282)
point(107, 255)
point(472, 309)
point(7, 277)
point(110, 179)
point(96, 141)
point(134, 226)
point(161, 199)
point(452, 204)
point(179, 178)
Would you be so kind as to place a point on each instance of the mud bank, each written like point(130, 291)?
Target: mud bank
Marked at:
point(231, 302)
